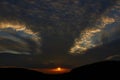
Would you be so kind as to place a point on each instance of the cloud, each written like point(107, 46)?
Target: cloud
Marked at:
point(103, 31)
point(90, 37)
point(113, 57)
point(16, 38)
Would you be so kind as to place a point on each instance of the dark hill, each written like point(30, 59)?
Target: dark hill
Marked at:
point(100, 70)
point(19, 73)
point(105, 69)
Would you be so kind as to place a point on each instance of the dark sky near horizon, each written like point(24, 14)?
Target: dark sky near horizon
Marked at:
point(51, 33)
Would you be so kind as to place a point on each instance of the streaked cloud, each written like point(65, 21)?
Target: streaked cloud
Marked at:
point(22, 39)
point(90, 37)
point(113, 57)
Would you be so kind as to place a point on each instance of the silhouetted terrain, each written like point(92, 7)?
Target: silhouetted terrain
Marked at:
point(100, 70)
point(106, 69)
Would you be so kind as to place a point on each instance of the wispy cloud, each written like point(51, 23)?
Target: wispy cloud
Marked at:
point(93, 36)
point(113, 57)
point(22, 39)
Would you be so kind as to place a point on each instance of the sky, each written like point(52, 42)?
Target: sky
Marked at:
point(51, 33)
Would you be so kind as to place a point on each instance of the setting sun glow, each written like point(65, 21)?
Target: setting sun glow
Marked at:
point(57, 70)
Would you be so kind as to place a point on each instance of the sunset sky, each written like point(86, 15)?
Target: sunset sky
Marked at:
point(53, 33)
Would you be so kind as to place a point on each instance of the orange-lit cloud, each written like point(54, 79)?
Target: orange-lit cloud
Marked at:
point(90, 37)
point(20, 37)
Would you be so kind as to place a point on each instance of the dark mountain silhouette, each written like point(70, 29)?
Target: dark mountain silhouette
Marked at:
point(107, 69)
point(100, 70)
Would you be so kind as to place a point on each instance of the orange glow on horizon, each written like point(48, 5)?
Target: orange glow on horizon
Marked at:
point(57, 70)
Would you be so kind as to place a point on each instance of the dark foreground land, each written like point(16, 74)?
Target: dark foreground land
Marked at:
point(101, 70)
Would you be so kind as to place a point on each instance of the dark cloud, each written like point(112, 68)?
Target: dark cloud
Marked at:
point(59, 23)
